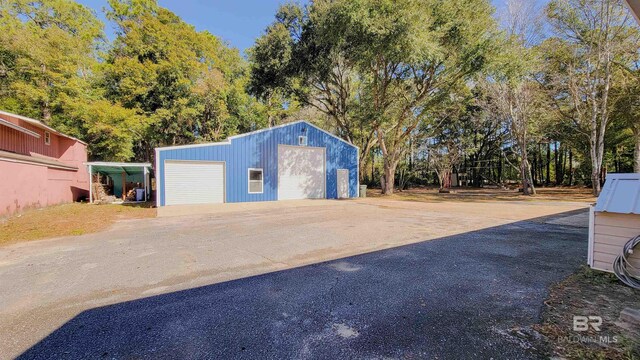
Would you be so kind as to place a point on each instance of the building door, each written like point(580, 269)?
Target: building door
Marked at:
point(301, 172)
point(343, 183)
point(193, 182)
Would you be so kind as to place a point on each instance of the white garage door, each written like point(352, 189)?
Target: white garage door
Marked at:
point(301, 172)
point(191, 182)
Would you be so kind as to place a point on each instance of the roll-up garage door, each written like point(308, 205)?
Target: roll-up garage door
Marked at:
point(193, 182)
point(301, 172)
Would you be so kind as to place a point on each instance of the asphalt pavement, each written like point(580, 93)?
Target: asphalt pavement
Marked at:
point(470, 295)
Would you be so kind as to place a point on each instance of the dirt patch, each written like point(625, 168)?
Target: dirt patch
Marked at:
point(431, 194)
point(591, 293)
point(66, 220)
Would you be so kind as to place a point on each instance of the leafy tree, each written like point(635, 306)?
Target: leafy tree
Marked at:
point(47, 53)
point(374, 67)
point(188, 83)
point(411, 54)
point(626, 106)
point(302, 56)
point(591, 36)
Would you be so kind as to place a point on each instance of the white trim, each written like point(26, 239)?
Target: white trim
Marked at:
point(13, 126)
point(90, 186)
point(358, 173)
point(158, 177)
point(301, 142)
point(47, 138)
point(249, 180)
point(330, 134)
point(591, 235)
point(228, 140)
point(146, 183)
point(121, 164)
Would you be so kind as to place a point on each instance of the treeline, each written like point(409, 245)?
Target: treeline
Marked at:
point(159, 82)
point(430, 90)
point(540, 95)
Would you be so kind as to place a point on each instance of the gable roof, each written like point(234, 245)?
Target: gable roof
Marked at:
point(39, 124)
point(620, 194)
point(228, 140)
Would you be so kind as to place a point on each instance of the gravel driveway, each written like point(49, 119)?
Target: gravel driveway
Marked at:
point(165, 288)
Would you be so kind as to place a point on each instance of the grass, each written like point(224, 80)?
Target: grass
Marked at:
point(67, 220)
point(431, 194)
point(590, 293)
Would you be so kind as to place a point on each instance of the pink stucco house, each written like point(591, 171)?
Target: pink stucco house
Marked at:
point(39, 166)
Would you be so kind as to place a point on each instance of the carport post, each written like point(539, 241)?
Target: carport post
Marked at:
point(90, 184)
point(146, 173)
point(124, 185)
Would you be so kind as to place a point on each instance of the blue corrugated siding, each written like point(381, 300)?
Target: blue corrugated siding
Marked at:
point(260, 150)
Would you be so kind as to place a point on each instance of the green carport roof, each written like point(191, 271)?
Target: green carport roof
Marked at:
point(118, 168)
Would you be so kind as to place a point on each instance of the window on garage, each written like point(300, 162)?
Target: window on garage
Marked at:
point(256, 181)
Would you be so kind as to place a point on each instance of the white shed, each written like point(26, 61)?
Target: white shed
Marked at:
point(614, 220)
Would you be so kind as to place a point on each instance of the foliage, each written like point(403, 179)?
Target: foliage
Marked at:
point(423, 87)
point(591, 36)
point(46, 55)
point(189, 84)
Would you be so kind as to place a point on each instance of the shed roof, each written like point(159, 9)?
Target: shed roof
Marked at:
point(36, 159)
point(118, 167)
point(620, 194)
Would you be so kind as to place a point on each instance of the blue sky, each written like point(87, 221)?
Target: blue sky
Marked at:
point(239, 22)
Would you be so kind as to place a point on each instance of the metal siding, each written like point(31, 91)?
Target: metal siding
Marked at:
point(620, 194)
point(260, 150)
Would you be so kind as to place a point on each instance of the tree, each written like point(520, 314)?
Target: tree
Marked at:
point(302, 56)
point(47, 55)
point(445, 135)
point(411, 53)
point(590, 37)
point(626, 106)
point(189, 84)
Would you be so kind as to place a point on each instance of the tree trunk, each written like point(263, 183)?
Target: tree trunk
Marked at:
point(570, 167)
point(540, 165)
point(534, 167)
point(548, 178)
point(500, 161)
point(389, 177)
point(524, 177)
point(596, 170)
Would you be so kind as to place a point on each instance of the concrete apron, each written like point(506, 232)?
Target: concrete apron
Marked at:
point(202, 209)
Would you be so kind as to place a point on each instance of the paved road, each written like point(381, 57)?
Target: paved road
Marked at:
point(461, 296)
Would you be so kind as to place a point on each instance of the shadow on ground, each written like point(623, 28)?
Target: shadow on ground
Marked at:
point(473, 295)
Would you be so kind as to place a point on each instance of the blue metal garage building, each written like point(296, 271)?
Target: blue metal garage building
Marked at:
point(292, 161)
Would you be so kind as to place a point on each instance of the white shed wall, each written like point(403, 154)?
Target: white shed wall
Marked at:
point(610, 232)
